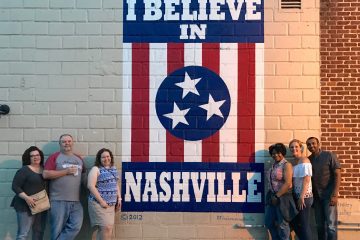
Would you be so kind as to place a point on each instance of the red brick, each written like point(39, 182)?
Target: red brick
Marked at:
point(340, 87)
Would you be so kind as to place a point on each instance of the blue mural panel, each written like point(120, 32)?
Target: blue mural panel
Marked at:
point(193, 187)
point(193, 21)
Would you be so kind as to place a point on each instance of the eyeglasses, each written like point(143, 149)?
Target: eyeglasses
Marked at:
point(36, 155)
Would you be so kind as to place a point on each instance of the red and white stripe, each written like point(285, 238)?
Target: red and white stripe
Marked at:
point(145, 66)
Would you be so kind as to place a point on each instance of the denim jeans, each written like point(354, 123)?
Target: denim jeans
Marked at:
point(66, 218)
point(27, 222)
point(301, 222)
point(326, 219)
point(278, 227)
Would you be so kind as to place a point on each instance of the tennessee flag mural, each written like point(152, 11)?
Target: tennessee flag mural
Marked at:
point(192, 87)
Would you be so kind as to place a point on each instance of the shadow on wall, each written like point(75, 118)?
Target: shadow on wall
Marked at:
point(243, 225)
point(254, 223)
point(85, 232)
point(8, 224)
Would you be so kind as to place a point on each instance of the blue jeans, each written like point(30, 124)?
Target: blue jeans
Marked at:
point(326, 219)
point(66, 218)
point(301, 222)
point(27, 222)
point(278, 227)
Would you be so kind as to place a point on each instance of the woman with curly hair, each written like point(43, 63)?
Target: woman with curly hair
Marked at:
point(280, 184)
point(104, 198)
point(27, 181)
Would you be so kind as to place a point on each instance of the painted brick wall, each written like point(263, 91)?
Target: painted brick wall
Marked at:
point(60, 71)
point(291, 72)
point(340, 84)
point(60, 68)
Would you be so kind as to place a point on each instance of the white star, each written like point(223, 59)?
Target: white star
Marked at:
point(213, 107)
point(177, 116)
point(188, 85)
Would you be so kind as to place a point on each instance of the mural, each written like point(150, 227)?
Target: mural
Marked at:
point(190, 100)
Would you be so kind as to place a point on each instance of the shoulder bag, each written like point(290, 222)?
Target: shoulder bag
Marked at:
point(42, 202)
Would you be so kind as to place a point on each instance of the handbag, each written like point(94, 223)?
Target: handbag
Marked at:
point(42, 202)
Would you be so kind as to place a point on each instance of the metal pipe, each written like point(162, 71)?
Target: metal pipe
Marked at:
point(351, 226)
point(237, 226)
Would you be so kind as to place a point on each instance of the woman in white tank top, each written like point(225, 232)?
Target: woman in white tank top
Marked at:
point(302, 187)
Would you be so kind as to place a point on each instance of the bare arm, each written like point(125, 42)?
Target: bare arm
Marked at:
point(334, 197)
point(288, 180)
point(29, 200)
point(91, 184)
point(305, 186)
point(301, 200)
point(118, 191)
point(118, 203)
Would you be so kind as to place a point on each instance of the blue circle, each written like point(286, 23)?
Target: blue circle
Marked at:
point(196, 123)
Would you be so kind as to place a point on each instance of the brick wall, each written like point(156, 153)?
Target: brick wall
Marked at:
point(340, 85)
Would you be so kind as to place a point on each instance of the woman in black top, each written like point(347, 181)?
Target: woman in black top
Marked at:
point(27, 181)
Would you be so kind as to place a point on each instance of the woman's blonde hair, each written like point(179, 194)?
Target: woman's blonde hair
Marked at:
point(298, 142)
